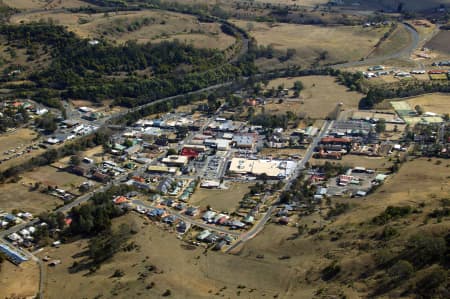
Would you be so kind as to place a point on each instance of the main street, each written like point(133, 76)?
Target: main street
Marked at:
point(300, 167)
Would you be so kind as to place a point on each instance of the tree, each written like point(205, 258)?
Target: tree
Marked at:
point(419, 109)
point(380, 127)
point(171, 152)
point(75, 160)
point(47, 122)
point(298, 86)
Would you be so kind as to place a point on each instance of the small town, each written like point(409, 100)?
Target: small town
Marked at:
point(237, 150)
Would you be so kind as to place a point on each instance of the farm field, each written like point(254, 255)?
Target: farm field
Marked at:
point(320, 96)
point(51, 176)
point(310, 41)
point(19, 196)
point(223, 200)
point(141, 26)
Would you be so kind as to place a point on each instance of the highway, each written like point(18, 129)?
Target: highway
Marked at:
point(405, 52)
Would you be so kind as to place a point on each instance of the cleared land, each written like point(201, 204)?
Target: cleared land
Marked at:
point(376, 163)
point(320, 96)
point(20, 137)
point(393, 5)
point(341, 43)
point(19, 282)
point(141, 26)
point(11, 141)
point(440, 42)
point(408, 186)
point(51, 176)
point(223, 200)
point(396, 42)
point(436, 103)
point(39, 4)
point(187, 273)
point(18, 196)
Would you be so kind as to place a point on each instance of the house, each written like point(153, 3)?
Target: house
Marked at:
point(156, 213)
point(120, 200)
point(80, 170)
point(181, 227)
point(208, 216)
point(249, 219)
point(165, 185)
point(220, 245)
point(235, 224)
point(283, 220)
point(191, 211)
point(203, 235)
point(101, 177)
point(170, 219)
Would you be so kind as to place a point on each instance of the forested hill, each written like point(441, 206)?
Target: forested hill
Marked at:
point(124, 72)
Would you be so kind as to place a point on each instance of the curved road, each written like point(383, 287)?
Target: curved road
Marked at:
point(406, 52)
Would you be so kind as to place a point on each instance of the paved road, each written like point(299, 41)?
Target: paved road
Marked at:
point(406, 52)
point(301, 165)
point(187, 219)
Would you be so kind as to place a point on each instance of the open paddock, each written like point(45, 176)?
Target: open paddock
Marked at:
point(187, 271)
point(440, 43)
point(220, 199)
point(52, 176)
point(310, 41)
point(320, 97)
point(19, 282)
point(18, 138)
point(437, 103)
point(41, 4)
point(142, 26)
point(19, 196)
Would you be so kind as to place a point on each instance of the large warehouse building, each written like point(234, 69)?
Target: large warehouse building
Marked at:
point(279, 169)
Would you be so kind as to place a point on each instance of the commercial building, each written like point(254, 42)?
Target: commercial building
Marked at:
point(277, 169)
point(175, 160)
point(245, 140)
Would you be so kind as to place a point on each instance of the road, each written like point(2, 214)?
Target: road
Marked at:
point(406, 52)
point(300, 166)
point(187, 219)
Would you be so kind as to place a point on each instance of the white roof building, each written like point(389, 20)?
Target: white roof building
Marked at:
point(272, 168)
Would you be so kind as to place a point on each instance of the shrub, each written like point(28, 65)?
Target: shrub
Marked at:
point(400, 271)
point(391, 213)
point(331, 271)
point(388, 233)
point(425, 249)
